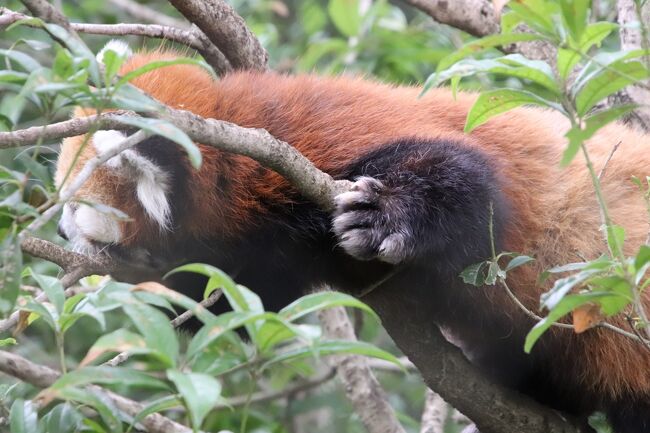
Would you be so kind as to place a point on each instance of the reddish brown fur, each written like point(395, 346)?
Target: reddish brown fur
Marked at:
point(333, 120)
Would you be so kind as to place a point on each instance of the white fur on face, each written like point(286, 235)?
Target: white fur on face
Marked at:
point(152, 183)
point(85, 226)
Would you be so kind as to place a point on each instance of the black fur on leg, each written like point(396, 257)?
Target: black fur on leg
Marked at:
point(630, 415)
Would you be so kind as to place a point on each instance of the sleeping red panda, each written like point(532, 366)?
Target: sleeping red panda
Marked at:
point(416, 217)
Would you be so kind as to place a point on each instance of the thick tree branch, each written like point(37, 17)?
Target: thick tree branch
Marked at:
point(227, 30)
point(444, 368)
point(475, 17)
point(255, 143)
point(360, 384)
point(42, 377)
point(144, 13)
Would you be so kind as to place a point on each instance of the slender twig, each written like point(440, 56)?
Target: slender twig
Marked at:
point(609, 158)
point(261, 397)
point(178, 321)
point(85, 173)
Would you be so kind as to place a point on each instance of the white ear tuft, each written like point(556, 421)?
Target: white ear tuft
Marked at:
point(152, 193)
point(120, 48)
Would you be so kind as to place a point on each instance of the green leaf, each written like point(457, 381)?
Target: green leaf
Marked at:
point(518, 261)
point(106, 375)
point(616, 293)
point(593, 123)
point(483, 44)
point(154, 326)
point(52, 288)
point(474, 274)
point(200, 393)
point(345, 16)
point(161, 64)
point(169, 131)
point(104, 406)
point(11, 262)
point(494, 102)
point(23, 417)
point(564, 307)
point(45, 311)
point(514, 65)
point(537, 14)
point(12, 77)
point(615, 239)
point(319, 301)
point(575, 15)
point(120, 340)
point(492, 273)
point(616, 77)
point(158, 405)
point(129, 97)
point(7, 342)
point(594, 34)
point(552, 298)
point(333, 348)
point(63, 418)
point(26, 62)
point(223, 324)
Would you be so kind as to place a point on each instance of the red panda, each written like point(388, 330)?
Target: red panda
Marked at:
point(417, 215)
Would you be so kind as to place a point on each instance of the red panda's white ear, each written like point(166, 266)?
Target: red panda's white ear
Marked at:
point(152, 183)
point(120, 48)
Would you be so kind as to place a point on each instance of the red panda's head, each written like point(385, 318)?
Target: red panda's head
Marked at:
point(141, 181)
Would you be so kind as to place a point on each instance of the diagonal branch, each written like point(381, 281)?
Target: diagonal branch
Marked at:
point(230, 35)
point(42, 377)
point(475, 17)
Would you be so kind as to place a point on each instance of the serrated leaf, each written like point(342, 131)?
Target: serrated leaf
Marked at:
point(495, 102)
point(474, 274)
point(169, 131)
point(200, 393)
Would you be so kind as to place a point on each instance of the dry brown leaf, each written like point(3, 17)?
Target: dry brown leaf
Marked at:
point(586, 317)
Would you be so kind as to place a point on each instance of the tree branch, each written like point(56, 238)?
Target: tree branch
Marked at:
point(144, 13)
point(475, 17)
point(231, 35)
point(192, 37)
point(434, 414)
point(360, 384)
point(42, 377)
point(257, 144)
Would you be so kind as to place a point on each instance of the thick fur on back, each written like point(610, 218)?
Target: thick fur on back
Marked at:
point(552, 212)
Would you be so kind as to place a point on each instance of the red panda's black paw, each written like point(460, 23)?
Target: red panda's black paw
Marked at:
point(363, 225)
